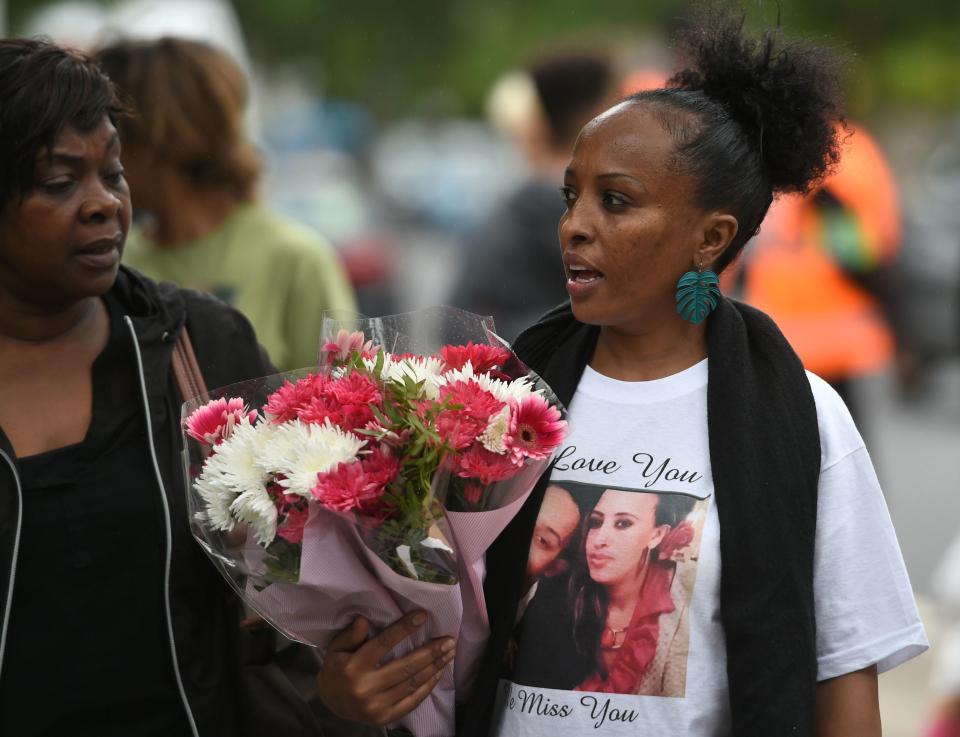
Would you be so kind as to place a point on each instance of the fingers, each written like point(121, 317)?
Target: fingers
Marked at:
point(418, 678)
point(376, 649)
point(354, 685)
point(350, 638)
point(410, 702)
point(435, 654)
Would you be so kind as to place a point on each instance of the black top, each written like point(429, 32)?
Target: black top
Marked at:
point(87, 638)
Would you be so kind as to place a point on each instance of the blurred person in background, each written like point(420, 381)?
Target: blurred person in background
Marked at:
point(193, 174)
point(821, 268)
point(112, 620)
point(510, 269)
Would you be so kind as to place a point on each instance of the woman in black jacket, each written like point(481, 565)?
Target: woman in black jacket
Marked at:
point(112, 620)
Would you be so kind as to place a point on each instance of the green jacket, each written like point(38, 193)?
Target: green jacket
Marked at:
point(278, 274)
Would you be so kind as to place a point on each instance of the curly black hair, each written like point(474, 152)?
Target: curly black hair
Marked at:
point(752, 117)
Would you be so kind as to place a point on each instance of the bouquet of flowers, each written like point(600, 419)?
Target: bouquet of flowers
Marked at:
point(373, 484)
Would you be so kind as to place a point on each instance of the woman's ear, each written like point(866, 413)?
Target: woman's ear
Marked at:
point(718, 233)
point(661, 530)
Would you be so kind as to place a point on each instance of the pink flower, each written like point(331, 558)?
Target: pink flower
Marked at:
point(401, 357)
point(343, 347)
point(486, 467)
point(345, 402)
point(295, 520)
point(213, 422)
point(472, 493)
point(535, 428)
point(292, 512)
point(359, 485)
point(290, 400)
point(482, 357)
point(471, 408)
point(319, 410)
point(355, 395)
point(676, 539)
point(387, 436)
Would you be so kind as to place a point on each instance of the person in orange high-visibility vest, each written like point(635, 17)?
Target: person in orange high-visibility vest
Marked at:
point(818, 266)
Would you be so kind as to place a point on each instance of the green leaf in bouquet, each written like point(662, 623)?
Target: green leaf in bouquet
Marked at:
point(407, 529)
point(393, 414)
point(417, 424)
point(283, 561)
point(381, 418)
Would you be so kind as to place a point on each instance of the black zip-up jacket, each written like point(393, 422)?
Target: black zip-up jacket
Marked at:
point(200, 610)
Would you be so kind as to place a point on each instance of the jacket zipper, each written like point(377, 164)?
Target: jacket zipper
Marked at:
point(13, 562)
point(167, 529)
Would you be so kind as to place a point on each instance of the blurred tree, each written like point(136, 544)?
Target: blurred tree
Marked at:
point(442, 55)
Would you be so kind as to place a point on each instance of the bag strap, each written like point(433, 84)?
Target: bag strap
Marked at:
point(186, 370)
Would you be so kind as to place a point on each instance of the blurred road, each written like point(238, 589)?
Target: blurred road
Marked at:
point(915, 448)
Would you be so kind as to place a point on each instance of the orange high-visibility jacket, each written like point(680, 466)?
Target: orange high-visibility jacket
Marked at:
point(836, 327)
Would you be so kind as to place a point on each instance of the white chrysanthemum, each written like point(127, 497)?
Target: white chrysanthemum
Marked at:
point(232, 470)
point(371, 364)
point(426, 369)
point(256, 508)
point(492, 437)
point(464, 373)
point(300, 451)
point(504, 391)
point(217, 499)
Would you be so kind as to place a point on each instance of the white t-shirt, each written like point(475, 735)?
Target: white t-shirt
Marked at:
point(622, 634)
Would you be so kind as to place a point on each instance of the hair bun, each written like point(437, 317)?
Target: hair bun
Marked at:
point(784, 93)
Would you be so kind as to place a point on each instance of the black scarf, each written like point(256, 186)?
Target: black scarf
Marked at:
point(765, 455)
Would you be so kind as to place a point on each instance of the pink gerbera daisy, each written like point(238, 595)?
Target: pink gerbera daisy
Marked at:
point(213, 422)
point(535, 428)
point(482, 357)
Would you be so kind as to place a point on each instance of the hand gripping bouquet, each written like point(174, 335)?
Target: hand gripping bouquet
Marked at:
point(373, 484)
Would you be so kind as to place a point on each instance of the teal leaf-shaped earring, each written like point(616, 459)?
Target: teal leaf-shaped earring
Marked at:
point(697, 294)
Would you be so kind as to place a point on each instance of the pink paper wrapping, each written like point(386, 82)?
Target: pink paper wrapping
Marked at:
point(341, 578)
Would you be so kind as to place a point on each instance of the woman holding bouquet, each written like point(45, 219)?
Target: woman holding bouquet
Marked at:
point(800, 595)
point(112, 621)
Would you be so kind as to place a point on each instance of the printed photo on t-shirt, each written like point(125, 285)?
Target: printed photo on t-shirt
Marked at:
point(609, 580)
